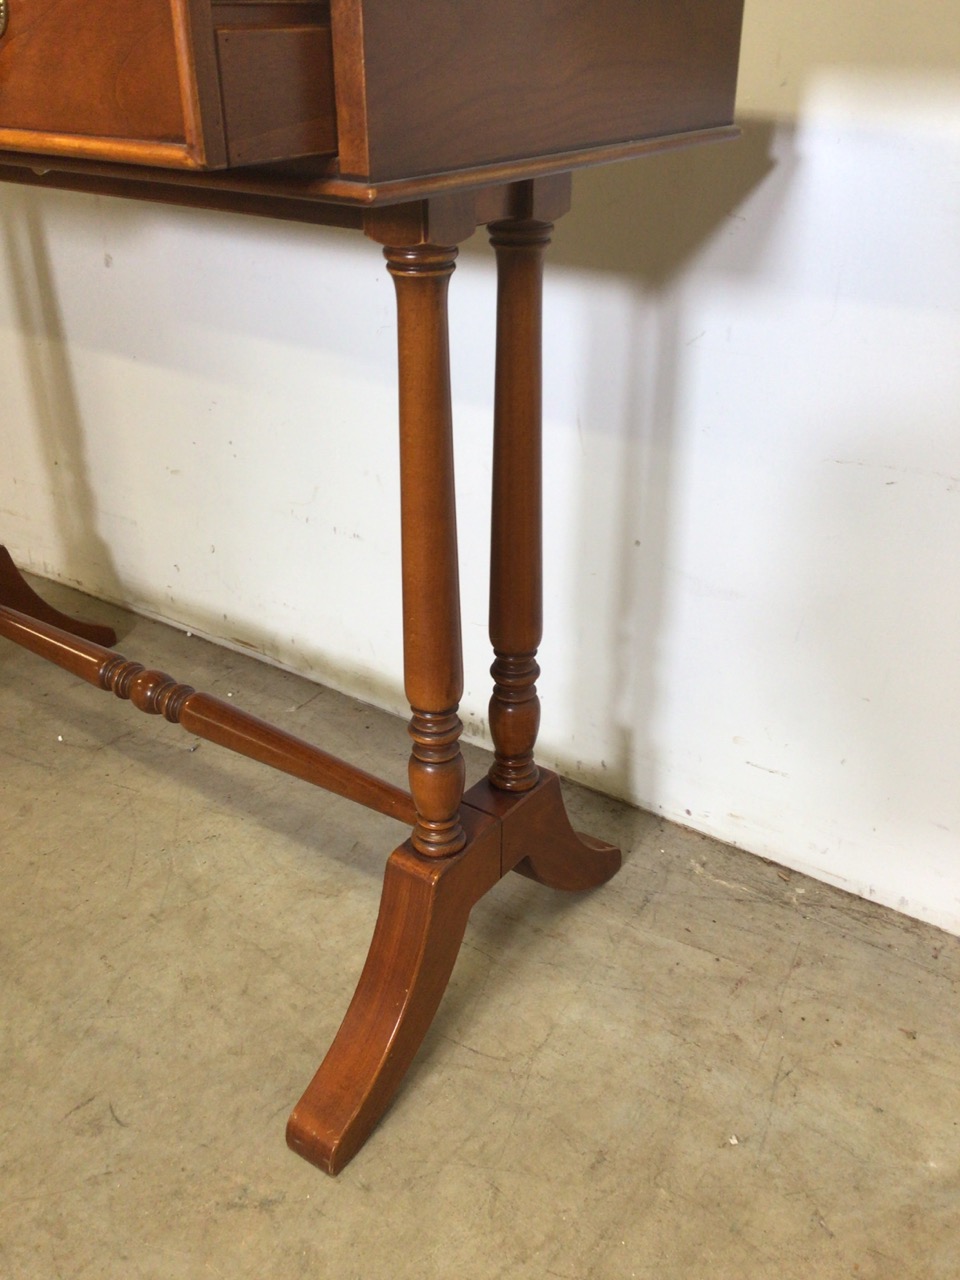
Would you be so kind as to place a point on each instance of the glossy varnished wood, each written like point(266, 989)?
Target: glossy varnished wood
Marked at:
point(315, 192)
point(201, 714)
point(105, 67)
point(171, 83)
point(423, 916)
point(433, 657)
point(538, 840)
point(424, 910)
point(516, 819)
point(16, 593)
point(516, 568)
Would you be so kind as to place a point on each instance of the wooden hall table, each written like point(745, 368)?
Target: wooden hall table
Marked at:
point(416, 123)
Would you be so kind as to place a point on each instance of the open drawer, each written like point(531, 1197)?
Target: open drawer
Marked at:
point(197, 84)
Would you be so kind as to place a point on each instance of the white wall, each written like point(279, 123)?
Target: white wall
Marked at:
point(753, 443)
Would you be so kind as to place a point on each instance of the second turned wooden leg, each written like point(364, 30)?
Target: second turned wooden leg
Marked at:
point(538, 840)
point(433, 658)
point(516, 573)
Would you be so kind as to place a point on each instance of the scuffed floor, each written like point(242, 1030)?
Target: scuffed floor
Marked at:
point(707, 1069)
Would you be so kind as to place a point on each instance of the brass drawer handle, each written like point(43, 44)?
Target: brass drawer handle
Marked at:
point(3, 17)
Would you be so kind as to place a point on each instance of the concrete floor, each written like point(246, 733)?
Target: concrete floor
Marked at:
point(709, 1068)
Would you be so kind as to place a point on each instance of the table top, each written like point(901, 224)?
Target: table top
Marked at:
point(354, 102)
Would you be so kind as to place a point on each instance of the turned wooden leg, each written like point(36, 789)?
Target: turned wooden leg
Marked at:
point(451, 859)
point(17, 594)
point(516, 573)
point(433, 659)
point(539, 841)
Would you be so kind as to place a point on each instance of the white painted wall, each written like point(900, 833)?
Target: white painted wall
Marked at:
point(753, 442)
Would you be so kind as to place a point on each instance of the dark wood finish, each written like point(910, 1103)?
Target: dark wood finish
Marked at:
point(16, 593)
point(520, 79)
point(201, 714)
point(397, 93)
point(417, 123)
point(276, 105)
point(234, 191)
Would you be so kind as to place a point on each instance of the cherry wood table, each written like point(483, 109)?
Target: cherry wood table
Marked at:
point(416, 123)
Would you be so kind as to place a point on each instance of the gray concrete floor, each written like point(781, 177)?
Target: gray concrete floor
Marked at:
point(708, 1068)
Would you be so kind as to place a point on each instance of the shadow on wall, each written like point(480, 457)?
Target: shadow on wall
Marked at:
point(800, 557)
point(644, 224)
point(52, 389)
point(141, 364)
point(639, 229)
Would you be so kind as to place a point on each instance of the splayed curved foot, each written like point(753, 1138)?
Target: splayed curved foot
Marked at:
point(538, 840)
point(16, 593)
point(423, 916)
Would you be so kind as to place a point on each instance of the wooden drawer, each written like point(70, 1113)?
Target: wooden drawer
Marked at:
point(197, 84)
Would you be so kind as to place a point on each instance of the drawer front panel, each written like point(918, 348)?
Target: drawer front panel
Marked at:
point(276, 86)
point(176, 83)
point(105, 70)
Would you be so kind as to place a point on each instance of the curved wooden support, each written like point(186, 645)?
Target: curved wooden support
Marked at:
point(539, 841)
point(573, 862)
point(156, 693)
point(16, 592)
point(423, 915)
